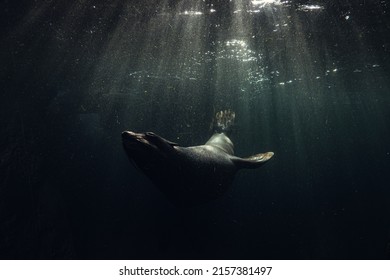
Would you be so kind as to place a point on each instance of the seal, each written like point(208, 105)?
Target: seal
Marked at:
point(194, 175)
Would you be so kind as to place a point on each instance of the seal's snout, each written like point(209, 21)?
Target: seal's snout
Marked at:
point(129, 138)
point(126, 135)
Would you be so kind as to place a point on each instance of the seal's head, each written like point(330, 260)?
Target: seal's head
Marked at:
point(139, 144)
point(147, 149)
point(136, 142)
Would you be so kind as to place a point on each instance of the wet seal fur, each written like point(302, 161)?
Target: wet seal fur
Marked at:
point(190, 176)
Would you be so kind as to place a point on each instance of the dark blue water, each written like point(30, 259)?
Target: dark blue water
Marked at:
point(308, 80)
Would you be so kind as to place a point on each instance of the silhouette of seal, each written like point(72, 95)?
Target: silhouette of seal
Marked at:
point(190, 176)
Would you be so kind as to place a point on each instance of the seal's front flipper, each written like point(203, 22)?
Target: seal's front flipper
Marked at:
point(254, 161)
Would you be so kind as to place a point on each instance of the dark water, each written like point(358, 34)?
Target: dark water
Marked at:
point(308, 80)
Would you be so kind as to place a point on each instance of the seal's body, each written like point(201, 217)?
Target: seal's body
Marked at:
point(189, 175)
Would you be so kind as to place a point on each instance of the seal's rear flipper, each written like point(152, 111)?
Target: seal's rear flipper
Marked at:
point(224, 121)
point(254, 161)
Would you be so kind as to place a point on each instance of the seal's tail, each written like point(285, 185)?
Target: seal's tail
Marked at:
point(224, 121)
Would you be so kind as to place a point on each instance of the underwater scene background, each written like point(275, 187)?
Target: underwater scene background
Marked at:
point(308, 80)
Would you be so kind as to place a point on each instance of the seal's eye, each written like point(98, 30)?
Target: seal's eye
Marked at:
point(151, 137)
